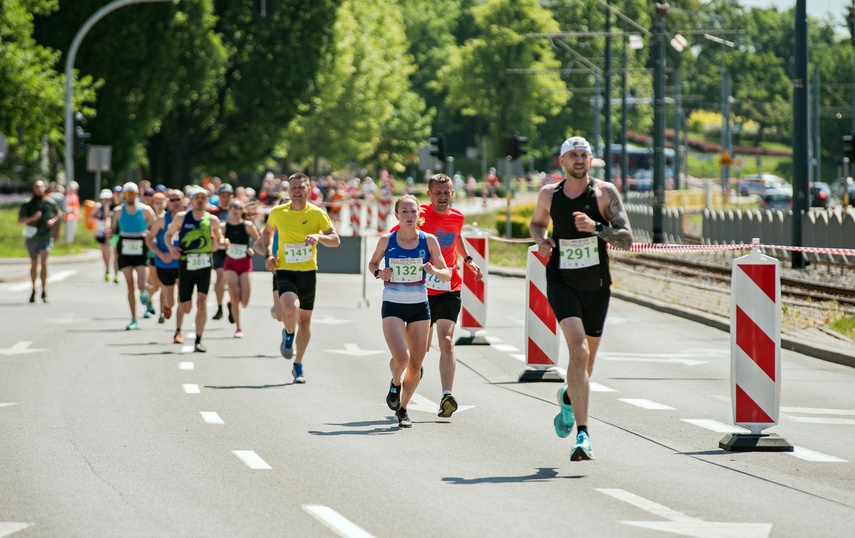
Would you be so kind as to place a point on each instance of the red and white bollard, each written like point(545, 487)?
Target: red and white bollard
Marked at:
point(755, 352)
point(355, 215)
point(541, 327)
point(474, 292)
point(383, 207)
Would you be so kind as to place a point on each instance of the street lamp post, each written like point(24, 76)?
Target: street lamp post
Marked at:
point(69, 76)
point(659, 125)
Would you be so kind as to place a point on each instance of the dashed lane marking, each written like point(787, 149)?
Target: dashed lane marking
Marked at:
point(646, 404)
point(716, 426)
point(252, 460)
point(185, 365)
point(58, 276)
point(190, 388)
point(336, 522)
point(211, 417)
point(810, 455)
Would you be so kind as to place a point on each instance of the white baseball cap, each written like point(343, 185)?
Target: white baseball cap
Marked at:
point(196, 190)
point(106, 193)
point(130, 186)
point(575, 143)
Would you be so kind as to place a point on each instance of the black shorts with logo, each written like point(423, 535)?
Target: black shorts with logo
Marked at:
point(444, 306)
point(568, 302)
point(302, 283)
point(133, 260)
point(200, 279)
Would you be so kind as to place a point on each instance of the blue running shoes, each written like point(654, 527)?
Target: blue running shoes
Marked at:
point(582, 449)
point(297, 372)
point(286, 348)
point(564, 419)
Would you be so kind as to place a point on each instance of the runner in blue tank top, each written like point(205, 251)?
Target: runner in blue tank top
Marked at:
point(165, 265)
point(586, 213)
point(408, 255)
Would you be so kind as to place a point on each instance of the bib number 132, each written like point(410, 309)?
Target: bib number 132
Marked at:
point(406, 269)
point(578, 253)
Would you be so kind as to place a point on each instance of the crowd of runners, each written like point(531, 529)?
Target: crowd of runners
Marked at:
point(164, 241)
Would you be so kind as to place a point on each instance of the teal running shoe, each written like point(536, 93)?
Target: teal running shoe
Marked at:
point(564, 420)
point(582, 450)
point(132, 326)
point(144, 297)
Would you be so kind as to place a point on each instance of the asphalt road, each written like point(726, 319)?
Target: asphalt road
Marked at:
point(105, 432)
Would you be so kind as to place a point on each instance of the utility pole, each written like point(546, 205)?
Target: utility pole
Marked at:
point(659, 124)
point(69, 76)
point(678, 120)
point(800, 124)
point(609, 137)
point(624, 112)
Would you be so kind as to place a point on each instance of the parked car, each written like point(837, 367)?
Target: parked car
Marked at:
point(758, 183)
point(820, 194)
point(776, 198)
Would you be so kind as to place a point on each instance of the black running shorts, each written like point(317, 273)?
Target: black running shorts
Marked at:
point(567, 302)
point(200, 279)
point(444, 306)
point(301, 283)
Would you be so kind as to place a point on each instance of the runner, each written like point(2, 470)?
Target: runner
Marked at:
point(165, 265)
point(221, 211)
point(241, 233)
point(586, 213)
point(158, 204)
point(198, 236)
point(301, 227)
point(100, 218)
point(408, 255)
point(130, 222)
point(113, 240)
point(39, 215)
point(446, 223)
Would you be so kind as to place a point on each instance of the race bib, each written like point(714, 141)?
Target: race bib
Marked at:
point(579, 253)
point(132, 247)
point(198, 261)
point(100, 227)
point(236, 252)
point(30, 231)
point(297, 252)
point(406, 269)
point(433, 282)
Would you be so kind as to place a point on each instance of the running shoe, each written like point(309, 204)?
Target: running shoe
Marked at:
point(286, 348)
point(147, 314)
point(161, 319)
point(107, 276)
point(150, 309)
point(33, 296)
point(167, 312)
point(178, 339)
point(564, 420)
point(231, 317)
point(273, 312)
point(393, 397)
point(199, 348)
point(144, 297)
point(297, 372)
point(44, 296)
point(238, 333)
point(403, 418)
point(219, 314)
point(116, 278)
point(132, 326)
point(582, 449)
point(447, 406)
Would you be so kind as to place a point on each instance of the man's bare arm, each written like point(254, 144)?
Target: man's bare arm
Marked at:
point(618, 233)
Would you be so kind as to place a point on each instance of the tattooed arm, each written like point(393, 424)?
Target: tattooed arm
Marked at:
point(618, 232)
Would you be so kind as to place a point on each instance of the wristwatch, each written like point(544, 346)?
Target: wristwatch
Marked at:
point(598, 227)
point(377, 273)
point(467, 259)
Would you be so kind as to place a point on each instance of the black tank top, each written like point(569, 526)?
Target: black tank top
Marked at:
point(237, 234)
point(595, 277)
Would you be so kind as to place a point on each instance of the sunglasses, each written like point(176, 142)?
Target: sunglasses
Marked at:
point(176, 199)
point(235, 207)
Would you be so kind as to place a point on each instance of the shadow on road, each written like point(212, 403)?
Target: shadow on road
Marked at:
point(542, 475)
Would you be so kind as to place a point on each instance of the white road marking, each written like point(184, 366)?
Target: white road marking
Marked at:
point(596, 387)
point(336, 522)
point(355, 351)
point(810, 455)
point(329, 320)
point(187, 349)
point(58, 276)
point(185, 365)
point(820, 420)
point(519, 356)
point(8, 527)
point(211, 417)
point(646, 404)
point(716, 426)
point(507, 348)
point(817, 411)
point(191, 388)
point(19, 348)
point(6, 404)
point(492, 339)
point(680, 523)
point(251, 459)
point(637, 358)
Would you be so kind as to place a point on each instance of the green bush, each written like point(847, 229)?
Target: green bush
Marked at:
point(519, 226)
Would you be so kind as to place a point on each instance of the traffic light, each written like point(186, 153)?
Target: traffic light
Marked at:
point(438, 147)
point(263, 9)
point(515, 146)
point(81, 137)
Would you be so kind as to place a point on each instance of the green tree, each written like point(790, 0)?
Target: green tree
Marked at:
point(362, 109)
point(477, 78)
point(33, 93)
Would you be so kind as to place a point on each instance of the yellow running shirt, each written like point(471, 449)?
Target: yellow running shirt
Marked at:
point(293, 227)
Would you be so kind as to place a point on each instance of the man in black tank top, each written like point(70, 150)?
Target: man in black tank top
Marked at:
point(586, 213)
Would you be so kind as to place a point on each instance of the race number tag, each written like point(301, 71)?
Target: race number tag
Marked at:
point(406, 269)
point(578, 253)
point(297, 252)
point(30, 231)
point(236, 252)
point(132, 247)
point(198, 261)
point(100, 227)
point(433, 282)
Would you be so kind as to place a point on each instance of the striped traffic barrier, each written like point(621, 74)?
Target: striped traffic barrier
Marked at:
point(541, 327)
point(355, 215)
point(474, 292)
point(383, 207)
point(755, 352)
